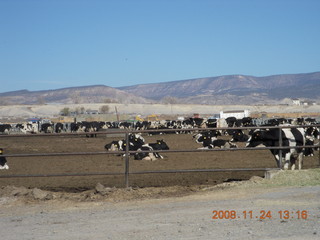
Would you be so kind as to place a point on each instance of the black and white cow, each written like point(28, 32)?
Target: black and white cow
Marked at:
point(309, 151)
point(291, 137)
point(125, 125)
point(222, 143)
point(5, 128)
point(135, 142)
point(75, 127)
point(142, 125)
point(30, 127)
point(151, 156)
point(3, 161)
point(311, 134)
point(198, 122)
point(205, 135)
point(209, 140)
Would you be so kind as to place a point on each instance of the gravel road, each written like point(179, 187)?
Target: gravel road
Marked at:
point(188, 217)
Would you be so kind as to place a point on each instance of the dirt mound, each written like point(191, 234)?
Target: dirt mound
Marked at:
point(23, 195)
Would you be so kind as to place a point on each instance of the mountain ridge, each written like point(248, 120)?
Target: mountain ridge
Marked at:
point(219, 88)
point(227, 89)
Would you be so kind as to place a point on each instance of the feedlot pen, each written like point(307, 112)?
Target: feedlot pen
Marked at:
point(74, 162)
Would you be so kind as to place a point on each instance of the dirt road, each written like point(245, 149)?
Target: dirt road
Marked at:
point(255, 209)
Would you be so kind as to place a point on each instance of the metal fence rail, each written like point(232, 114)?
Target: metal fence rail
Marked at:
point(127, 171)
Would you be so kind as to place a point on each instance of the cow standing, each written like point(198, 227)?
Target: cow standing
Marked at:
point(311, 134)
point(3, 161)
point(5, 128)
point(291, 137)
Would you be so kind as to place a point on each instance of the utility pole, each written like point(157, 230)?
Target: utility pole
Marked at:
point(115, 107)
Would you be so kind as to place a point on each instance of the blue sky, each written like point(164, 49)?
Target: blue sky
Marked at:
point(51, 44)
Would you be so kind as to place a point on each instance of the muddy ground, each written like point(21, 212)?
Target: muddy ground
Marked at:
point(106, 163)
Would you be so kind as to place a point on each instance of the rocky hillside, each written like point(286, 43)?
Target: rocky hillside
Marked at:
point(221, 90)
point(233, 89)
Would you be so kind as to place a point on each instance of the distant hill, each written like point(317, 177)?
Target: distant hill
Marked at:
point(87, 94)
point(221, 90)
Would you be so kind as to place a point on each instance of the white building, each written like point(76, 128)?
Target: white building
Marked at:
point(296, 101)
point(235, 113)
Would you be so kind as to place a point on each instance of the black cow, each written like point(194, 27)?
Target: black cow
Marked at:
point(212, 123)
point(231, 121)
point(247, 122)
point(151, 156)
point(58, 128)
point(47, 127)
point(291, 137)
point(3, 161)
point(239, 136)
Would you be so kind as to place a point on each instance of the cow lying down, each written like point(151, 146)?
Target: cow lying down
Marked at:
point(209, 141)
point(151, 156)
point(218, 143)
point(137, 143)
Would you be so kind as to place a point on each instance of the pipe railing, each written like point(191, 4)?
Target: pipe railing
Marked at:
point(127, 152)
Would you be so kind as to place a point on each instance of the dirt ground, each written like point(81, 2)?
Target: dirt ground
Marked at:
point(260, 212)
point(176, 206)
point(106, 163)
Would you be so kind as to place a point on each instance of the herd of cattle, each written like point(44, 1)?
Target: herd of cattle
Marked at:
point(209, 138)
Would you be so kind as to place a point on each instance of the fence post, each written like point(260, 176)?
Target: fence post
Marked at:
point(319, 156)
point(127, 161)
point(280, 145)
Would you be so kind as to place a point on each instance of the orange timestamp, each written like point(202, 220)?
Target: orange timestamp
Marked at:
point(262, 214)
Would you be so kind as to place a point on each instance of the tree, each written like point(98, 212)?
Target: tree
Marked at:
point(65, 111)
point(104, 109)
